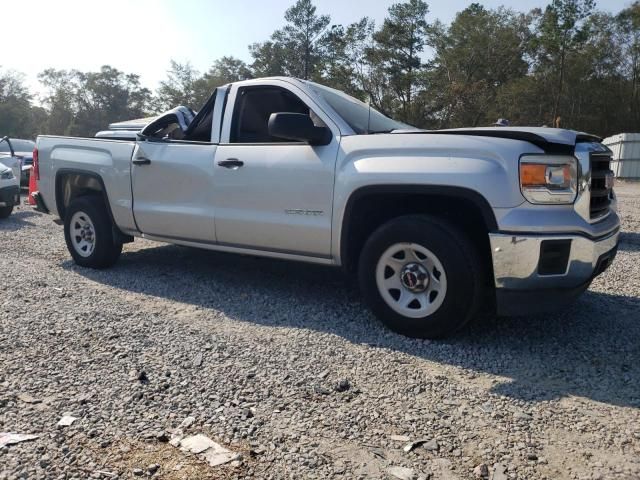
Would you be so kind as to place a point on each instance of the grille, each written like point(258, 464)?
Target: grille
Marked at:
point(600, 191)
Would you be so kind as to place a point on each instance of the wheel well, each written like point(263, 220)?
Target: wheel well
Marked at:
point(367, 211)
point(70, 185)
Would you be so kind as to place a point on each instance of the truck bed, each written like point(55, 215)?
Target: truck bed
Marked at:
point(109, 160)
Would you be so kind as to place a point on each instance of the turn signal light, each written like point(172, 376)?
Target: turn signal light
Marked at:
point(548, 178)
point(532, 174)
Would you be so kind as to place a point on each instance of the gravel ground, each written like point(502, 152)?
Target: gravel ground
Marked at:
point(281, 363)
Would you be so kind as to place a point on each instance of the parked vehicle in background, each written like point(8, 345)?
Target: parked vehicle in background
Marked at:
point(127, 130)
point(8, 157)
point(17, 154)
point(436, 224)
point(9, 191)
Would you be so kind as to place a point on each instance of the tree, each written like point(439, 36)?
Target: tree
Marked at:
point(269, 59)
point(16, 118)
point(481, 52)
point(346, 66)
point(224, 70)
point(82, 103)
point(295, 49)
point(628, 21)
point(568, 60)
point(561, 31)
point(397, 49)
point(107, 96)
point(180, 88)
point(60, 100)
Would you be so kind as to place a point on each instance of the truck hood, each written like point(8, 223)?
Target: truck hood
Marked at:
point(552, 140)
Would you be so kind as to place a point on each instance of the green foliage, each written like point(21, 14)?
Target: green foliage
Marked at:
point(224, 70)
point(16, 115)
point(562, 31)
point(397, 49)
point(568, 65)
point(346, 66)
point(478, 55)
point(82, 103)
point(295, 49)
point(628, 40)
point(179, 88)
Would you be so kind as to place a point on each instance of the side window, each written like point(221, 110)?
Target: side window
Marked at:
point(253, 108)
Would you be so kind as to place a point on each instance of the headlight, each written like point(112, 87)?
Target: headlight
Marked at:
point(549, 179)
point(7, 175)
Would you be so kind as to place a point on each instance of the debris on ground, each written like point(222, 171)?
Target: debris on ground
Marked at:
point(66, 420)
point(26, 398)
point(402, 473)
point(12, 438)
point(214, 453)
point(410, 446)
point(481, 471)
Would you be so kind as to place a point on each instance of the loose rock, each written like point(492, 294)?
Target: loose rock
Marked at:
point(402, 473)
point(481, 471)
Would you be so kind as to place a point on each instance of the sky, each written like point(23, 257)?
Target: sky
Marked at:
point(142, 36)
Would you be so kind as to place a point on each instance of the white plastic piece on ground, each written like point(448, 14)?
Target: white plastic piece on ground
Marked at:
point(219, 456)
point(214, 453)
point(403, 473)
point(11, 438)
point(626, 154)
point(196, 443)
point(66, 420)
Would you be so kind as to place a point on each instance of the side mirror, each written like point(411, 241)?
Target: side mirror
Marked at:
point(298, 127)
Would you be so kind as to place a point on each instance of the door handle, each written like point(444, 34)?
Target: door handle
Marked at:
point(141, 161)
point(232, 163)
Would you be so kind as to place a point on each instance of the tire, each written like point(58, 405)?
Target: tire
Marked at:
point(88, 231)
point(421, 276)
point(5, 211)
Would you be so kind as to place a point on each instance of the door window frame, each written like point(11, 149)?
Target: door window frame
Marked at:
point(216, 126)
point(234, 97)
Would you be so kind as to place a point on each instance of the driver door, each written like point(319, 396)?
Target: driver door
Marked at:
point(271, 194)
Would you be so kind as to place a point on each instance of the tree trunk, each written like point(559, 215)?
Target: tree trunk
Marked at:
point(556, 106)
point(410, 74)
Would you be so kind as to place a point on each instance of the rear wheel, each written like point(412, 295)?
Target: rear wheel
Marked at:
point(88, 231)
point(5, 211)
point(421, 276)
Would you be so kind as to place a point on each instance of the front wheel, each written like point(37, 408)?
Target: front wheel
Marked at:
point(88, 231)
point(421, 276)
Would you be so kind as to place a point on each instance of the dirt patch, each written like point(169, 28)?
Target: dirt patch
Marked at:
point(125, 457)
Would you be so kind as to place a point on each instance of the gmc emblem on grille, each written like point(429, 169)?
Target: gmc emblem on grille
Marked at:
point(609, 181)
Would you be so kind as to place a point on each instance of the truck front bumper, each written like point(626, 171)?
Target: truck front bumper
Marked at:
point(10, 196)
point(536, 273)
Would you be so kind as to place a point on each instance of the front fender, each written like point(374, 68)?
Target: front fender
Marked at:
point(483, 168)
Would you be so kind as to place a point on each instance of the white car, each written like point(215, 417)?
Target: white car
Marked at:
point(9, 191)
point(8, 156)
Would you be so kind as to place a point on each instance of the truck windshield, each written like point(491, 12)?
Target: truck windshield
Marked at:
point(357, 114)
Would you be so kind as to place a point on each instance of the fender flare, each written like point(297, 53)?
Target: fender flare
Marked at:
point(59, 194)
point(440, 190)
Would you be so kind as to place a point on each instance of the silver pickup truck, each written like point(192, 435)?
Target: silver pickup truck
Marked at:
point(435, 224)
